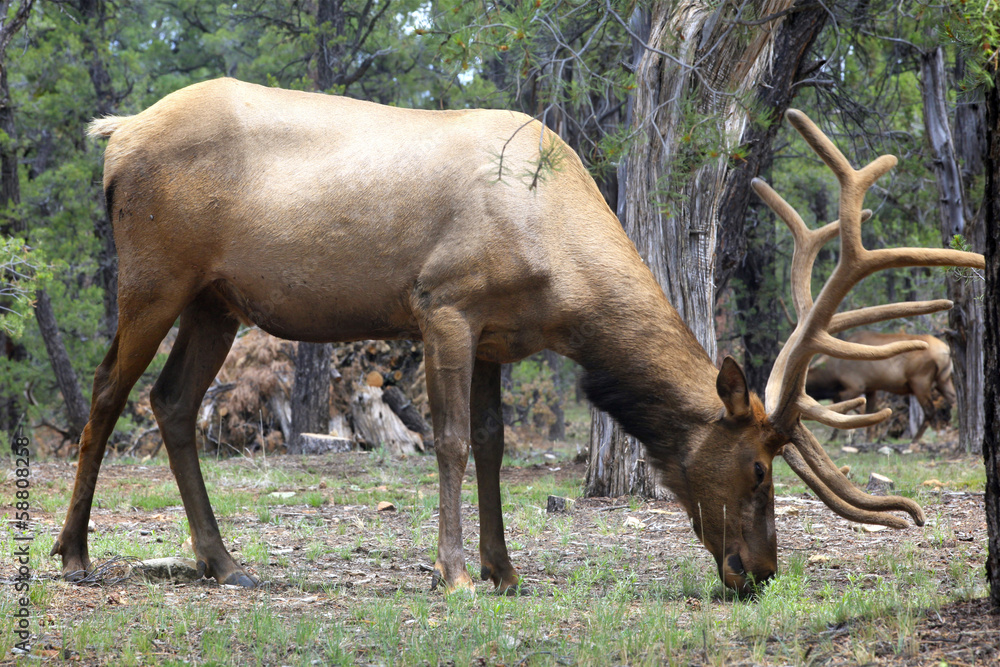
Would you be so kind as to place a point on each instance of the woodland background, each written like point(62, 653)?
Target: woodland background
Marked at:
point(674, 106)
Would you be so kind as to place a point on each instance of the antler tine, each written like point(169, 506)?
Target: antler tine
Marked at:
point(889, 311)
point(841, 349)
point(819, 142)
point(853, 183)
point(832, 415)
point(812, 451)
point(846, 406)
point(808, 243)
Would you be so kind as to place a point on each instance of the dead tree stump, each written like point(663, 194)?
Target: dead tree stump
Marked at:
point(378, 426)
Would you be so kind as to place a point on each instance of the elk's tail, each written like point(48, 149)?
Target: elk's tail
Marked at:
point(105, 127)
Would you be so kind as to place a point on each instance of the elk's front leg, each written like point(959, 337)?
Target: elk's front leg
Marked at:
point(487, 447)
point(448, 358)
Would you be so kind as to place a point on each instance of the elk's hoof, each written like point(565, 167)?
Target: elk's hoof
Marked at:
point(241, 579)
point(462, 584)
point(515, 590)
point(74, 576)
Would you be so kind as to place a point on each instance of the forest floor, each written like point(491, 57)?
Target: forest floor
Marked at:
point(614, 581)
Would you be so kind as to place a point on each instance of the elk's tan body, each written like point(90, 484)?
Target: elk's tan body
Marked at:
point(918, 373)
point(328, 219)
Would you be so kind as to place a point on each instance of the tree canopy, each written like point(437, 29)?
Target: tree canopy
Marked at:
point(570, 63)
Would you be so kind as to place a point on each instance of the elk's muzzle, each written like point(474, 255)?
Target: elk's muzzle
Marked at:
point(738, 578)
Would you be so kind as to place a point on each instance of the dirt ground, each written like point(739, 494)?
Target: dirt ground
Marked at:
point(963, 633)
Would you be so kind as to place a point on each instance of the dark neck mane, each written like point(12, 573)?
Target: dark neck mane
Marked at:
point(653, 377)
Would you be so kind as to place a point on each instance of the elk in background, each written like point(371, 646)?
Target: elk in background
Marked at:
point(480, 232)
point(915, 373)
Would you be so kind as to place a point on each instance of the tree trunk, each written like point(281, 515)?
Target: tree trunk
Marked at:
point(10, 187)
point(507, 388)
point(378, 426)
point(748, 253)
point(11, 412)
point(311, 392)
point(616, 466)
point(330, 22)
point(964, 320)
point(938, 131)
point(557, 430)
point(106, 102)
point(669, 188)
point(991, 340)
point(77, 407)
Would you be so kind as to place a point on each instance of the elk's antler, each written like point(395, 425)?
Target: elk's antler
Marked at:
point(785, 397)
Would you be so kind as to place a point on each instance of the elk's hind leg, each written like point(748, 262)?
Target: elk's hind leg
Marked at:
point(206, 333)
point(143, 322)
point(487, 447)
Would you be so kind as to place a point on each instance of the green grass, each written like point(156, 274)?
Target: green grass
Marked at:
point(605, 593)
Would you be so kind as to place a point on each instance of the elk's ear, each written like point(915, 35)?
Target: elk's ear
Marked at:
point(732, 387)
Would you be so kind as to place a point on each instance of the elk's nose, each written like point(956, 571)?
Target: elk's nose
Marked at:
point(734, 574)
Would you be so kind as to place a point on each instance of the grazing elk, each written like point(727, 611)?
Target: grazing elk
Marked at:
point(915, 373)
point(323, 218)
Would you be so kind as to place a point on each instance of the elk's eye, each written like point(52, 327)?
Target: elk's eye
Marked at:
point(759, 471)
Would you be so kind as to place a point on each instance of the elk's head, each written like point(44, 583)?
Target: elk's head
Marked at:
point(726, 484)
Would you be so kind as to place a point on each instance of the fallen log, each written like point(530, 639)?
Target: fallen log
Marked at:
point(319, 443)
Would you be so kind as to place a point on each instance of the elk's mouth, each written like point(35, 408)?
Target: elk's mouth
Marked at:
point(734, 574)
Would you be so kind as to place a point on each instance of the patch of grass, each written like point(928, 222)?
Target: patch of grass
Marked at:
point(155, 498)
point(607, 593)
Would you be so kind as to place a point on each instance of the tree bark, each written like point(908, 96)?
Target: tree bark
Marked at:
point(991, 340)
point(311, 392)
point(970, 138)
point(616, 466)
point(77, 407)
point(964, 320)
point(669, 190)
point(10, 187)
point(933, 86)
point(748, 253)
